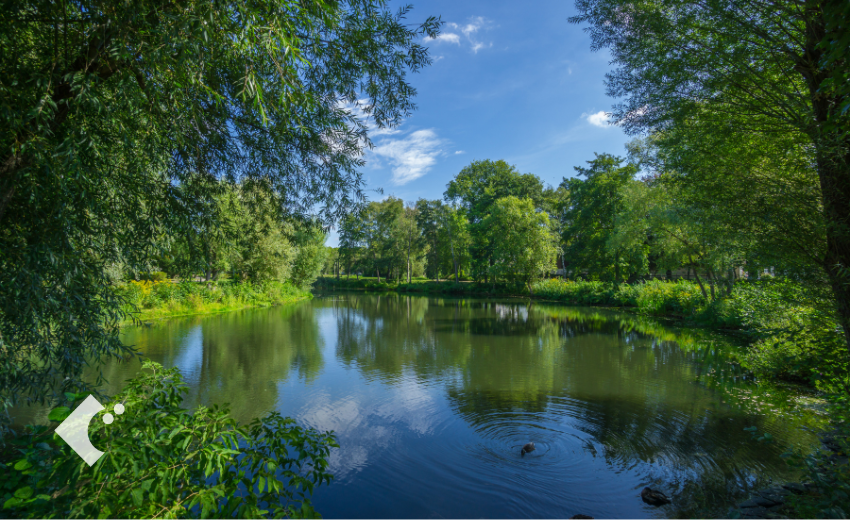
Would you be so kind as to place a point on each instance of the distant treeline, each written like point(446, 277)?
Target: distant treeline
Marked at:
point(620, 219)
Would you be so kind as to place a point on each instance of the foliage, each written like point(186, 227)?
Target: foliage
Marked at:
point(752, 77)
point(161, 460)
point(476, 188)
point(524, 248)
point(152, 300)
point(383, 238)
point(310, 255)
point(107, 108)
point(594, 204)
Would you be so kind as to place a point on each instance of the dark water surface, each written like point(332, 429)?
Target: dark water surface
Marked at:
point(432, 398)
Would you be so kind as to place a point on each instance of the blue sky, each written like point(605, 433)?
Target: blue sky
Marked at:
point(510, 80)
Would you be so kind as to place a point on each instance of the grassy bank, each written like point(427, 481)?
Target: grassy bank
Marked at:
point(164, 299)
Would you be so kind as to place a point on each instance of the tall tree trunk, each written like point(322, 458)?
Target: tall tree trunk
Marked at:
point(832, 157)
point(379, 274)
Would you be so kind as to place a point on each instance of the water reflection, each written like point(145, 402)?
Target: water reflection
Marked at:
point(237, 358)
point(432, 397)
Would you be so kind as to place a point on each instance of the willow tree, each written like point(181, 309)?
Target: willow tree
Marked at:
point(781, 62)
point(106, 107)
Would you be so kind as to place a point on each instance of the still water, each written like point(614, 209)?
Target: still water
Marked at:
point(431, 399)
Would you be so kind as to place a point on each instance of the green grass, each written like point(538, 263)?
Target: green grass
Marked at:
point(165, 299)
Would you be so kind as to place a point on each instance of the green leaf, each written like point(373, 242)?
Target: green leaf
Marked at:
point(12, 502)
point(24, 493)
point(23, 464)
point(71, 396)
point(59, 413)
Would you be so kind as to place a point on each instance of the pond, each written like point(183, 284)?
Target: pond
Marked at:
point(431, 399)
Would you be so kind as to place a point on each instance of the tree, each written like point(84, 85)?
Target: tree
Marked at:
point(476, 188)
point(309, 239)
point(781, 62)
point(264, 249)
point(428, 222)
point(524, 246)
point(593, 205)
point(107, 108)
point(455, 230)
point(351, 235)
point(332, 262)
point(414, 242)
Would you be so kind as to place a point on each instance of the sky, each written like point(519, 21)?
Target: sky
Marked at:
point(510, 80)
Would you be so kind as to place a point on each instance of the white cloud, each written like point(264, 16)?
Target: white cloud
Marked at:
point(448, 37)
point(470, 31)
point(412, 156)
point(459, 152)
point(600, 119)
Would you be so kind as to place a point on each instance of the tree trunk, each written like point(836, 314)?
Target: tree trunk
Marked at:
point(379, 274)
point(701, 287)
point(832, 157)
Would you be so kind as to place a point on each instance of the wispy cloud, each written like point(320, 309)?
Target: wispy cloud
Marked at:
point(600, 119)
point(459, 152)
point(470, 32)
point(448, 37)
point(411, 156)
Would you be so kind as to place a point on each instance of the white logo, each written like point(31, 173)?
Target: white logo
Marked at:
point(75, 428)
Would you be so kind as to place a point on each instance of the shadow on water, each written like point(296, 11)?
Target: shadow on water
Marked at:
point(431, 397)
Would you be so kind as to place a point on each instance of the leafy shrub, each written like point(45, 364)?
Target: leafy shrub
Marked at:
point(155, 276)
point(162, 460)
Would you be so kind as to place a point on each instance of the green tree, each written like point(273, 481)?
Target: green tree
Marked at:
point(590, 219)
point(107, 108)
point(476, 188)
point(428, 221)
point(413, 242)
point(524, 246)
point(351, 236)
point(454, 230)
point(309, 239)
point(781, 63)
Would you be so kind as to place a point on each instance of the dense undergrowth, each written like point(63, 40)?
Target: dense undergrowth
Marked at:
point(147, 300)
point(163, 461)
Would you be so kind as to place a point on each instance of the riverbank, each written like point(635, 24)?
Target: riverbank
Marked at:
point(791, 332)
point(791, 337)
point(154, 300)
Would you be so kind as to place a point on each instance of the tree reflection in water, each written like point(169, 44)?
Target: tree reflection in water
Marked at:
point(453, 387)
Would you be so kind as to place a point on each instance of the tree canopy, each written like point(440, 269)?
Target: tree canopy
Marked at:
point(107, 109)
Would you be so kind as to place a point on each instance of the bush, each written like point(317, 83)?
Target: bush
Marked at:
point(162, 460)
point(155, 276)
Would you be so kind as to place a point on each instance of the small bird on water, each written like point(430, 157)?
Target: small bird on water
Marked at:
point(654, 497)
point(528, 448)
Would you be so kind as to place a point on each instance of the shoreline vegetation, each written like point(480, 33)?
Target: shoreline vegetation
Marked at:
point(791, 337)
point(156, 300)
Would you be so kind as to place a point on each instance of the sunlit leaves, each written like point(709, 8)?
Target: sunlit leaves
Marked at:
point(162, 460)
